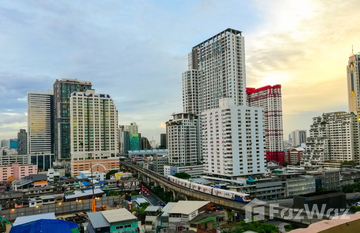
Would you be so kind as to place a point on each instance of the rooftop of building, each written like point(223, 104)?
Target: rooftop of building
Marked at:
point(213, 37)
point(167, 208)
point(348, 223)
point(85, 193)
point(46, 226)
point(250, 90)
point(118, 215)
point(207, 215)
point(153, 208)
point(26, 219)
point(98, 220)
point(187, 207)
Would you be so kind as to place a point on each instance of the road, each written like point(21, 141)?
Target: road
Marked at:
point(154, 200)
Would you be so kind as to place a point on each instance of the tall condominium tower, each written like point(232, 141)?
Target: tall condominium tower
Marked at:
point(353, 80)
point(333, 137)
point(232, 140)
point(216, 71)
point(269, 98)
point(132, 128)
point(298, 137)
point(183, 139)
point(94, 135)
point(40, 128)
point(163, 141)
point(22, 142)
point(62, 91)
point(5, 143)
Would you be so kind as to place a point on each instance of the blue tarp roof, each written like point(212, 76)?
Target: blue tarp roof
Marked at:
point(86, 183)
point(45, 226)
point(101, 182)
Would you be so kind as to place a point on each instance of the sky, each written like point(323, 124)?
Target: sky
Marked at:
point(137, 50)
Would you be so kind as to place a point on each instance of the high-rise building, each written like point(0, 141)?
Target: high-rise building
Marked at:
point(132, 128)
point(22, 142)
point(269, 98)
point(183, 140)
point(94, 135)
point(62, 90)
point(298, 137)
point(14, 144)
point(232, 140)
point(40, 129)
point(216, 71)
point(353, 81)
point(163, 141)
point(333, 137)
point(5, 143)
point(135, 141)
point(145, 144)
point(126, 144)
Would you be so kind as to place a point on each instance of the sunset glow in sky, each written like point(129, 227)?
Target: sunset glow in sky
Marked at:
point(136, 51)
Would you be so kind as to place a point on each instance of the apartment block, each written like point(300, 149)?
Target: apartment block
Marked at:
point(40, 129)
point(293, 156)
point(22, 142)
point(333, 137)
point(216, 71)
point(62, 91)
point(94, 132)
point(183, 137)
point(298, 137)
point(17, 171)
point(232, 140)
point(269, 98)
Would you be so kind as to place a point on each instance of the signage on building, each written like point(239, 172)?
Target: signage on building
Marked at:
point(129, 185)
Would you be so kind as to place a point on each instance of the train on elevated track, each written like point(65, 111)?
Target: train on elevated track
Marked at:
point(236, 196)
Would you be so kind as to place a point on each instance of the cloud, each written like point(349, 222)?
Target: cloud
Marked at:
point(162, 125)
point(136, 52)
point(304, 46)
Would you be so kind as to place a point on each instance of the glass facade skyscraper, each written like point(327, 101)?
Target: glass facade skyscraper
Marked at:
point(62, 91)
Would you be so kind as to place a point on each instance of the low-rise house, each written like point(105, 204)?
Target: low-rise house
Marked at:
point(152, 218)
point(113, 221)
point(183, 212)
point(208, 222)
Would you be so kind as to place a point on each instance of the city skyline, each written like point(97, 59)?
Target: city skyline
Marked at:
point(131, 52)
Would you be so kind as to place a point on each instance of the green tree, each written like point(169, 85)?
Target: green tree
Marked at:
point(112, 172)
point(182, 175)
point(285, 164)
point(252, 226)
point(114, 193)
point(351, 163)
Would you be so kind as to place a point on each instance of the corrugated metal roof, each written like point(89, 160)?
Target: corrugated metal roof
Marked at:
point(45, 226)
point(26, 219)
point(85, 193)
point(97, 220)
point(118, 215)
point(167, 208)
point(187, 207)
point(152, 208)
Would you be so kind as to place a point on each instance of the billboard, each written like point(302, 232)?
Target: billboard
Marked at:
point(129, 185)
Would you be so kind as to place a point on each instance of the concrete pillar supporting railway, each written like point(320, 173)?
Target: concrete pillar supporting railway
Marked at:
point(174, 194)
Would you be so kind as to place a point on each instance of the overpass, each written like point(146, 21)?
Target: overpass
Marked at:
point(160, 180)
